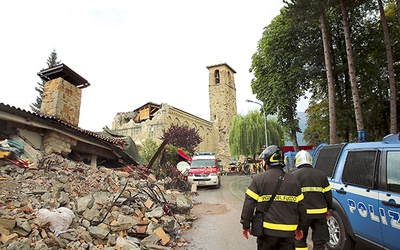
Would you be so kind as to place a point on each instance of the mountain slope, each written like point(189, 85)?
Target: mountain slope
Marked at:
point(303, 126)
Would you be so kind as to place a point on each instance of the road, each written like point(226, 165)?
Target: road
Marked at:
point(218, 210)
point(218, 224)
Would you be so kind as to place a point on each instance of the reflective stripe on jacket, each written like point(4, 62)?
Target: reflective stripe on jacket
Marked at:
point(316, 189)
point(287, 209)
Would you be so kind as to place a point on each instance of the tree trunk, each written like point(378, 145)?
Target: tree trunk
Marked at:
point(294, 124)
point(296, 146)
point(333, 137)
point(398, 9)
point(352, 71)
point(392, 81)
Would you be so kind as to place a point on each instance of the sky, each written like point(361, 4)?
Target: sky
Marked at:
point(132, 52)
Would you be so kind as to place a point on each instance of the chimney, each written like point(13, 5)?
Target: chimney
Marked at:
point(62, 93)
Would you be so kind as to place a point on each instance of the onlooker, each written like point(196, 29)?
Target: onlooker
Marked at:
point(318, 200)
point(286, 214)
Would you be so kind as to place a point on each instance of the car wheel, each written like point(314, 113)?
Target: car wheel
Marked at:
point(339, 239)
point(219, 184)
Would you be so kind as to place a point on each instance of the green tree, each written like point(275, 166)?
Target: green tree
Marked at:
point(247, 134)
point(373, 74)
point(351, 66)
point(398, 9)
point(165, 164)
point(148, 150)
point(52, 61)
point(315, 10)
point(317, 130)
point(281, 74)
point(392, 81)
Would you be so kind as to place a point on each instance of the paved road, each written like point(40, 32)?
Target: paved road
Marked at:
point(223, 230)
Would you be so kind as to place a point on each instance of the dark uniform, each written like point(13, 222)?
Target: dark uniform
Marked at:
point(318, 201)
point(286, 213)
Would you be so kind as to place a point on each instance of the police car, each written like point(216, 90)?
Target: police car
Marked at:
point(365, 181)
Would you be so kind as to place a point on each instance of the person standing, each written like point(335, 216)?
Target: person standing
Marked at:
point(318, 200)
point(286, 215)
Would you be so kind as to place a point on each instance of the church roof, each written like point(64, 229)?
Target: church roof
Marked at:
point(221, 64)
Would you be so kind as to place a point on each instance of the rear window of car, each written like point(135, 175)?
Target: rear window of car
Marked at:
point(327, 158)
point(201, 163)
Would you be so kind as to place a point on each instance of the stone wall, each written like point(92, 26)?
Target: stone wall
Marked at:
point(54, 142)
point(62, 100)
point(165, 117)
point(222, 95)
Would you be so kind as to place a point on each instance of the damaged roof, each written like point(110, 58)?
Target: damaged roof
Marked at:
point(49, 122)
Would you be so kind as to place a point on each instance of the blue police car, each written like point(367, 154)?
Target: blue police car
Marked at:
point(365, 181)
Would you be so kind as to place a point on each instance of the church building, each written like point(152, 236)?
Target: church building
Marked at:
point(149, 120)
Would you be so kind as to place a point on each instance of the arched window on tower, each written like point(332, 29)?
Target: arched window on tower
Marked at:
point(216, 76)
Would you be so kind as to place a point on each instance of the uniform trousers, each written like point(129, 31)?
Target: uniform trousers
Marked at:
point(267, 242)
point(320, 234)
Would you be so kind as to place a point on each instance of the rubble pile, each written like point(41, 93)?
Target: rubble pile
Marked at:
point(61, 204)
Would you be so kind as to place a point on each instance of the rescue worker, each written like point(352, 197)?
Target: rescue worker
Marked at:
point(285, 217)
point(318, 200)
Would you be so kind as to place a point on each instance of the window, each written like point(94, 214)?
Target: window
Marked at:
point(203, 163)
point(359, 168)
point(216, 76)
point(328, 157)
point(393, 171)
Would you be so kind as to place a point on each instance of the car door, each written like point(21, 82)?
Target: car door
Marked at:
point(389, 199)
point(359, 192)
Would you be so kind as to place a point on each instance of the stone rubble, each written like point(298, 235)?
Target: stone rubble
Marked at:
point(113, 209)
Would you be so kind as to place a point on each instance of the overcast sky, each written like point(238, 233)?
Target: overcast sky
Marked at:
point(132, 52)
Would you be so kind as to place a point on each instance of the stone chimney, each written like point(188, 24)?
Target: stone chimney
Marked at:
point(62, 93)
point(61, 98)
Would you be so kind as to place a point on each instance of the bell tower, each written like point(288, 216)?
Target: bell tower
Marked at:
point(222, 94)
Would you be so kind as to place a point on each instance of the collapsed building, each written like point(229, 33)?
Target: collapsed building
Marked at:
point(52, 171)
point(55, 129)
point(64, 204)
point(48, 166)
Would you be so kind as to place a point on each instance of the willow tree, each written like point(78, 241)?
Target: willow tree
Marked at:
point(247, 134)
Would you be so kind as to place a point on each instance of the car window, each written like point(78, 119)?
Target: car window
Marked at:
point(359, 168)
point(203, 163)
point(393, 171)
point(328, 157)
